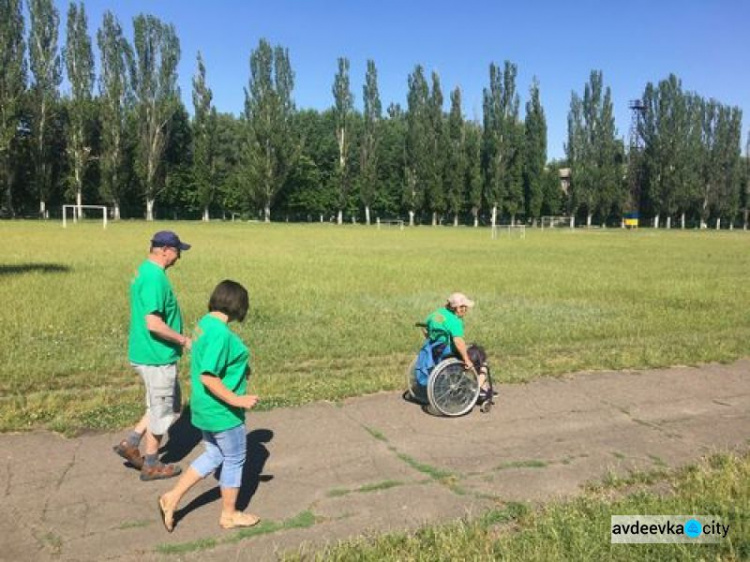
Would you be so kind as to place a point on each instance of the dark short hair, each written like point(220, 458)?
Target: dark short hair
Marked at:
point(230, 298)
point(477, 355)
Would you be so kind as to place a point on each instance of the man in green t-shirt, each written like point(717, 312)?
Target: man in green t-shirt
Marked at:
point(155, 345)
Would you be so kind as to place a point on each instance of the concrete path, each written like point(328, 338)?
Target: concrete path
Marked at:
point(326, 472)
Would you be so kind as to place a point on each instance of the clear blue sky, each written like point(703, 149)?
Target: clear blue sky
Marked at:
point(632, 42)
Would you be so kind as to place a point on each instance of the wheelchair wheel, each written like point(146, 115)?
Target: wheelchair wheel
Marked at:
point(414, 390)
point(452, 390)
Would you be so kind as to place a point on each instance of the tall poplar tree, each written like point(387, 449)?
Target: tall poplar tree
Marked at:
point(436, 151)
point(157, 53)
point(370, 139)
point(723, 162)
point(456, 169)
point(592, 150)
point(269, 110)
point(392, 162)
point(535, 154)
point(46, 70)
point(204, 141)
point(116, 103)
point(500, 143)
point(12, 87)
point(417, 143)
point(665, 133)
point(342, 108)
point(693, 158)
point(79, 62)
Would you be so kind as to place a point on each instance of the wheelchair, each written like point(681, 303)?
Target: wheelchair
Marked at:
point(447, 386)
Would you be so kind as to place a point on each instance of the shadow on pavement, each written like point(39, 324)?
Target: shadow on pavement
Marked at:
point(183, 438)
point(252, 476)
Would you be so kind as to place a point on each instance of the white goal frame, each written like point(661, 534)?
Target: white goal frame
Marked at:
point(75, 208)
point(556, 221)
point(499, 229)
point(389, 223)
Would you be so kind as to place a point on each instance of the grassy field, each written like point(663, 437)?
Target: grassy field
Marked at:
point(333, 308)
point(579, 529)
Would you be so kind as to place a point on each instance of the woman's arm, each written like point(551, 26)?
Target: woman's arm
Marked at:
point(217, 388)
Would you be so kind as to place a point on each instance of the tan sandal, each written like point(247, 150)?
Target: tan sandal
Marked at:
point(238, 519)
point(167, 515)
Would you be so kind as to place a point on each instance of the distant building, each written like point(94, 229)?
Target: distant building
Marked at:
point(564, 179)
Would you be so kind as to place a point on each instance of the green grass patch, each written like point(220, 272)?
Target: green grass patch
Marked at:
point(333, 308)
point(532, 463)
point(431, 471)
point(302, 520)
point(185, 547)
point(54, 542)
point(374, 487)
point(138, 524)
point(384, 485)
point(658, 461)
point(376, 434)
point(577, 529)
point(614, 481)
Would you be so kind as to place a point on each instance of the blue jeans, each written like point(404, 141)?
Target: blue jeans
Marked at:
point(226, 449)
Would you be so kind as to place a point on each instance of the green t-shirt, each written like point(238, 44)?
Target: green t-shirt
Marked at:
point(218, 351)
point(443, 325)
point(151, 293)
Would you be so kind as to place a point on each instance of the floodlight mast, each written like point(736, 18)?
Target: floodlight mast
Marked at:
point(635, 153)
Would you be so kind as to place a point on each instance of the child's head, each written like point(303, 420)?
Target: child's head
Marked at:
point(477, 355)
point(230, 298)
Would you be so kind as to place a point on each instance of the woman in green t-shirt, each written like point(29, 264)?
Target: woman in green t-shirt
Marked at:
point(219, 369)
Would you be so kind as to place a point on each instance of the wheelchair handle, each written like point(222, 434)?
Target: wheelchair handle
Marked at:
point(421, 324)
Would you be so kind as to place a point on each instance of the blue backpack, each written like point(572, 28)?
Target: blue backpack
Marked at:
point(429, 355)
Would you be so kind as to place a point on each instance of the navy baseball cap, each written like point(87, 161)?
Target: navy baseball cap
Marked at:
point(169, 239)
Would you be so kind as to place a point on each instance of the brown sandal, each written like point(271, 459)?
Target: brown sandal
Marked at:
point(159, 471)
point(129, 453)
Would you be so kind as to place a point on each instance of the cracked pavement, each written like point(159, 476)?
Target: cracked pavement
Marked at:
point(326, 472)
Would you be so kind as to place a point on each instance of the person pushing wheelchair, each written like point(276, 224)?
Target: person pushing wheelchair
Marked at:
point(445, 329)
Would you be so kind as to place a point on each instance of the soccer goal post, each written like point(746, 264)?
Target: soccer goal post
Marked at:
point(76, 210)
point(389, 224)
point(509, 230)
point(557, 222)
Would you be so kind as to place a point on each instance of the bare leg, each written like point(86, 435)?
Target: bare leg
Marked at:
point(230, 517)
point(189, 479)
point(142, 425)
point(481, 379)
point(229, 500)
point(152, 443)
point(168, 502)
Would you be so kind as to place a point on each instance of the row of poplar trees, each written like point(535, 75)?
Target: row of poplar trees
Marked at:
point(126, 140)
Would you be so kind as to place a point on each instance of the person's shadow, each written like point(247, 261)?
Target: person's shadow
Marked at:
point(252, 475)
point(183, 436)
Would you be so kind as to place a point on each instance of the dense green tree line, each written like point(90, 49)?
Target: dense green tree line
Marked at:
point(126, 140)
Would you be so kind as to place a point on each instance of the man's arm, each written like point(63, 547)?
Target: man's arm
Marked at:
point(159, 328)
point(460, 345)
